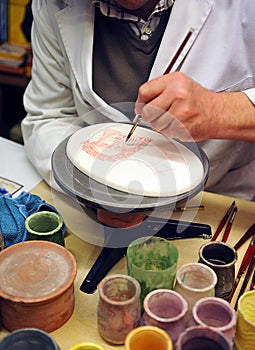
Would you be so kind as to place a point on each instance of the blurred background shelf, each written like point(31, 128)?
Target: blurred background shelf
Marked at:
point(12, 88)
point(15, 28)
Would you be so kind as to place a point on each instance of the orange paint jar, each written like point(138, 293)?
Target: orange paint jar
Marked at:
point(148, 337)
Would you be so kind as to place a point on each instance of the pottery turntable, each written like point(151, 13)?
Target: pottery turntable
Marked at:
point(150, 172)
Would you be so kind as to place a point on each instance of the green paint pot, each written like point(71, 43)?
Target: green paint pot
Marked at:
point(46, 226)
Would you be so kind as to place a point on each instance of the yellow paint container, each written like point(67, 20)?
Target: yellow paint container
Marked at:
point(245, 332)
point(87, 346)
point(148, 337)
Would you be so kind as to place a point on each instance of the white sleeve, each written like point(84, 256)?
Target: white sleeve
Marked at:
point(250, 94)
point(48, 100)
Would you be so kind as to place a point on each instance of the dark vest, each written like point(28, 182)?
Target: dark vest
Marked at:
point(121, 61)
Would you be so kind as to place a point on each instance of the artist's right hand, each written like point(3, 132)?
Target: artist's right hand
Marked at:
point(177, 106)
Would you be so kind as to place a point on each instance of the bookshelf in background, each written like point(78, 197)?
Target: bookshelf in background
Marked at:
point(16, 52)
point(11, 16)
point(12, 58)
point(3, 21)
point(15, 18)
point(14, 76)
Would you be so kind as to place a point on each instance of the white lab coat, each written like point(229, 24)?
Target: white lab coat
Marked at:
point(221, 57)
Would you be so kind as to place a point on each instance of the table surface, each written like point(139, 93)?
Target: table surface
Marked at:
point(82, 326)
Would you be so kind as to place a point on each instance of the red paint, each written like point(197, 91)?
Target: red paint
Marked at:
point(109, 145)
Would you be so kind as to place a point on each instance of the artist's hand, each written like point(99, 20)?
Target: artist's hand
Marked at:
point(177, 106)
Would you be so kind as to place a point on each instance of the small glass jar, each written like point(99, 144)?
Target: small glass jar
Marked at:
point(152, 261)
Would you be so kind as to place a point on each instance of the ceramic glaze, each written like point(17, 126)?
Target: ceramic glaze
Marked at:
point(202, 338)
point(148, 337)
point(167, 310)
point(221, 257)
point(245, 333)
point(28, 339)
point(152, 261)
point(87, 346)
point(216, 313)
point(118, 310)
point(195, 281)
point(46, 226)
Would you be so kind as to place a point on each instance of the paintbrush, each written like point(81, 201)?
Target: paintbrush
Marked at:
point(249, 233)
point(224, 220)
point(138, 118)
point(191, 207)
point(245, 263)
point(247, 278)
point(252, 286)
point(229, 225)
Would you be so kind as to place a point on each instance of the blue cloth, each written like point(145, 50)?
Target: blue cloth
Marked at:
point(13, 214)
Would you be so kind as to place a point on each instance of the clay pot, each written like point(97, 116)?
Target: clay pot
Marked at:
point(37, 285)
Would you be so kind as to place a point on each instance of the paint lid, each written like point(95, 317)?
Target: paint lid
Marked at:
point(35, 271)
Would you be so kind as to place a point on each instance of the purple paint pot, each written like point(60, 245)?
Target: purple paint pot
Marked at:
point(167, 310)
point(216, 313)
point(202, 338)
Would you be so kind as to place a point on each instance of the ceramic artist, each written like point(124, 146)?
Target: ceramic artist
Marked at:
point(93, 59)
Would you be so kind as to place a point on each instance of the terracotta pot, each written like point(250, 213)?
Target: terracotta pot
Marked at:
point(37, 285)
point(118, 310)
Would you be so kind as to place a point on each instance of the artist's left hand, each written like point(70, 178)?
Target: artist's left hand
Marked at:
point(177, 106)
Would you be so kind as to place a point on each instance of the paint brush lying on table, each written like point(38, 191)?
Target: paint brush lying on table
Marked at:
point(229, 225)
point(247, 278)
point(248, 256)
point(252, 286)
point(223, 221)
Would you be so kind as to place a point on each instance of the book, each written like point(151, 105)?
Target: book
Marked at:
point(16, 10)
point(4, 68)
point(9, 51)
point(3, 21)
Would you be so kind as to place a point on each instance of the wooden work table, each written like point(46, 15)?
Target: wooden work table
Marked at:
point(82, 326)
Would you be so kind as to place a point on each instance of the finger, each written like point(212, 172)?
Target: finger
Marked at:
point(157, 107)
point(162, 122)
point(176, 129)
point(150, 90)
point(154, 93)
